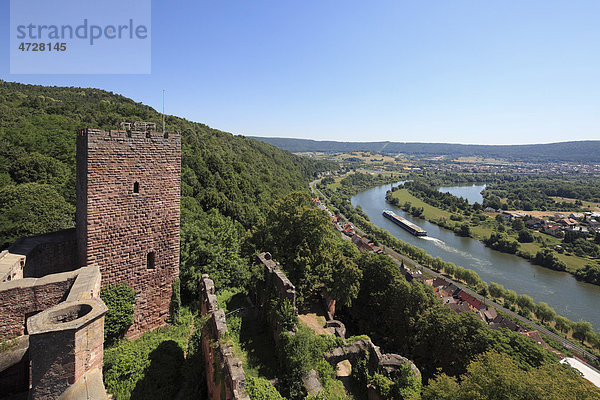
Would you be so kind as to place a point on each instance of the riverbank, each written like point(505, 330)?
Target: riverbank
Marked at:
point(482, 230)
point(402, 259)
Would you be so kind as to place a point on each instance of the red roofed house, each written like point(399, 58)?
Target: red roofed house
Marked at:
point(551, 229)
point(472, 301)
point(348, 230)
point(568, 222)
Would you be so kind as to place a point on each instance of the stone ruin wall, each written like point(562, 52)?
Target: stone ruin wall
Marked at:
point(388, 364)
point(61, 354)
point(128, 202)
point(66, 347)
point(276, 281)
point(38, 256)
point(225, 376)
point(25, 297)
point(52, 256)
point(278, 285)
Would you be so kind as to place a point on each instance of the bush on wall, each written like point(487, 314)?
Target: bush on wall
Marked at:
point(120, 300)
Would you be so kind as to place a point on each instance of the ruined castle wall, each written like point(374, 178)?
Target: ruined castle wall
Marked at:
point(22, 298)
point(66, 344)
point(50, 291)
point(275, 280)
point(225, 376)
point(14, 367)
point(52, 256)
point(275, 286)
point(128, 196)
point(38, 256)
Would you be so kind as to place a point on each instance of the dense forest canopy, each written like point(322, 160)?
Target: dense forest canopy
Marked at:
point(581, 151)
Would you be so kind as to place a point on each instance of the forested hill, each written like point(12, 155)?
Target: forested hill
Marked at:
point(235, 175)
point(581, 151)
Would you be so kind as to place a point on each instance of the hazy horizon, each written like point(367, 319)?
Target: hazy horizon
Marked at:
point(416, 141)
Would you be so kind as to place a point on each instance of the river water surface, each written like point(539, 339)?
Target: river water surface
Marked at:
point(571, 298)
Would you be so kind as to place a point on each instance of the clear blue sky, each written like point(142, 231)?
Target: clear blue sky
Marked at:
point(455, 71)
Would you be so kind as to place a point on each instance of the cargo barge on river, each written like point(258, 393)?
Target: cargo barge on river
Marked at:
point(404, 223)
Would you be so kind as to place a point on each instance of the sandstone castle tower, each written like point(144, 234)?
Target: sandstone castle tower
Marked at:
point(128, 196)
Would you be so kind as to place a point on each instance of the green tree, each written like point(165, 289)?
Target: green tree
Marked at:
point(494, 376)
point(443, 387)
point(211, 243)
point(407, 386)
point(39, 168)
point(525, 302)
point(582, 330)
point(594, 339)
point(496, 290)
point(345, 281)
point(518, 224)
point(562, 324)
point(544, 312)
point(261, 389)
point(525, 236)
point(510, 296)
point(300, 236)
point(464, 230)
point(175, 304)
point(548, 258)
point(31, 209)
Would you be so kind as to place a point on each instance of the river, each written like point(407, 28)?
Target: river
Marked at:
point(471, 193)
point(571, 298)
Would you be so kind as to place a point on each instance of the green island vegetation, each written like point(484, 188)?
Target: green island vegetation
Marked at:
point(241, 196)
point(568, 251)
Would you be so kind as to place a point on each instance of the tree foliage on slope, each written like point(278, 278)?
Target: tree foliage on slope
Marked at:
point(238, 176)
point(312, 254)
point(408, 319)
point(494, 376)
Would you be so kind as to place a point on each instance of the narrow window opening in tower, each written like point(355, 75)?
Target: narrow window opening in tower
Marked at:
point(151, 260)
point(136, 187)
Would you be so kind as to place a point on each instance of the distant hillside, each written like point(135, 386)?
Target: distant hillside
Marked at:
point(581, 151)
point(236, 175)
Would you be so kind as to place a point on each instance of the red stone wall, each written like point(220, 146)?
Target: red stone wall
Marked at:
point(53, 256)
point(117, 228)
point(26, 299)
point(89, 348)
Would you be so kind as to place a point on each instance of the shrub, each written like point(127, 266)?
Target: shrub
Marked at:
point(261, 389)
point(120, 300)
point(149, 367)
point(333, 389)
point(175, 304)
point(547, 258)
point(287, 315)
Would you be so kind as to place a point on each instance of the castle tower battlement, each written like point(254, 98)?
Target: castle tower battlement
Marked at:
point(128, 218)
